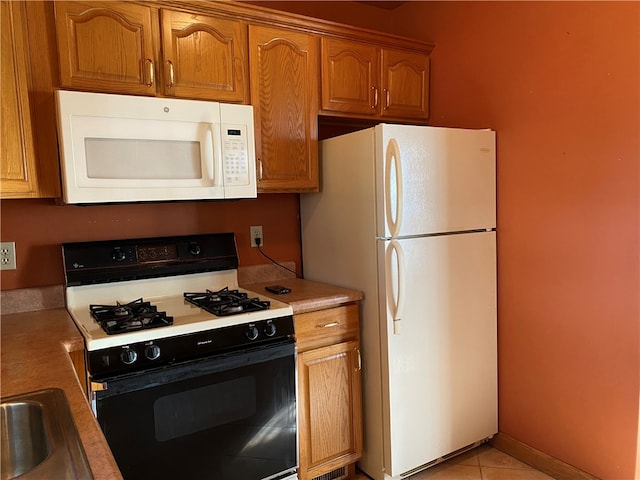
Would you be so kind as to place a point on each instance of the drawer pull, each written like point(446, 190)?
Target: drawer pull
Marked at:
point(328, 325)
point(359, 356)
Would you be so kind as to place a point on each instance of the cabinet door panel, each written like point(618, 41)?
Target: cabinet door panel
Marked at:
point(106, 46)
point(350, 74)
point(18, 154)
point(284, 94)
point(405, 81)
point(204, 57)
point(329, 411)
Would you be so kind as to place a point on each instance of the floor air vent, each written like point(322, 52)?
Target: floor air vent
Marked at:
point(336, 474)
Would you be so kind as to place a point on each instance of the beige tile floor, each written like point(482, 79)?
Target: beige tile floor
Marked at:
point(482, 463)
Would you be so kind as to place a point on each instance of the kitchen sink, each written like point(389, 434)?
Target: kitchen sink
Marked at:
point(39, 439)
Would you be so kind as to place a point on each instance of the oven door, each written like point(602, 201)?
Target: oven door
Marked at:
point(226, 417)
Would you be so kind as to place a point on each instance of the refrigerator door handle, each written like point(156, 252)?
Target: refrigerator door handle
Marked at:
point(395, 301)
point(393, 164)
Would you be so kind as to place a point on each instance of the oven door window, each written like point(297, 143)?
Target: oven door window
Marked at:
point(225, 418)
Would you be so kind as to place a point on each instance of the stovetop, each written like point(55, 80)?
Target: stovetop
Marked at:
point(153, 275)
point(167, 296)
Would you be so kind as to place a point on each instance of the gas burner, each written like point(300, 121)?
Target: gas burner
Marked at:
point(129, 317)
point(226, 302)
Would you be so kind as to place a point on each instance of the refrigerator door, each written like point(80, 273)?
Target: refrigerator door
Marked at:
point(438, 296)
point(433, 180)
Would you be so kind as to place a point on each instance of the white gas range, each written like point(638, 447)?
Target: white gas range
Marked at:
point(181, 362)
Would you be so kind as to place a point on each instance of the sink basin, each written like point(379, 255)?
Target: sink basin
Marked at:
point(24, 438)
point(39, 439)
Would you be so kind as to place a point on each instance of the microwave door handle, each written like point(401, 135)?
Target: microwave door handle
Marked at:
point(216, 163)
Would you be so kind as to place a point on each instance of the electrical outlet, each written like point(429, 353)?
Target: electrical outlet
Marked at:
point(256, 232)
point(7, 255)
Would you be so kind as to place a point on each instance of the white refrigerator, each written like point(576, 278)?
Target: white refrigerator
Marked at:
point(407, 214)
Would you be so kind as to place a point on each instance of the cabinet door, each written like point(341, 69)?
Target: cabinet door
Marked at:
point(106, 46)
point(17, 144)
point(405, 84)
point(330, 414)
point(284, 93)
point(204, 57)
point(350, 73)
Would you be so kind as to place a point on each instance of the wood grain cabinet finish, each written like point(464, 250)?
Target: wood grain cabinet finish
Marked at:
point(284, 93)
point(18, 152)
point(20, 174)
point(329, 392)
point(350, 77)
point(405, 84)
point(106, 46)
point(204, 57)
point(364, 79)
point(117, 47)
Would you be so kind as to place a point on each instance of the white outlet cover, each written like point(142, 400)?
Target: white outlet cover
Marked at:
point(7, 255)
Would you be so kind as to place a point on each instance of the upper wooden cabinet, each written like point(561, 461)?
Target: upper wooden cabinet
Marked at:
point(115, 47)
point(204, 57)
point(21, 176)
point(18, 153)
point(369, 80)
point(284, 94)
point(405, 84)
point(350, 77)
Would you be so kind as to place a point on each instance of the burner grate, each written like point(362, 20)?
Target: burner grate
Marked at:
point(129, 317)
point(226, 302)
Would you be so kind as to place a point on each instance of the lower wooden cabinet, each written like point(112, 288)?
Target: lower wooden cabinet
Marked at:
point(329, 392)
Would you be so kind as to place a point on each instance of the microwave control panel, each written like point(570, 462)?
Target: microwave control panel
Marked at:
point(235, 155)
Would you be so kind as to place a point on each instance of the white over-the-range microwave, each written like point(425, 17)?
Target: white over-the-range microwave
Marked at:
point(122, 148)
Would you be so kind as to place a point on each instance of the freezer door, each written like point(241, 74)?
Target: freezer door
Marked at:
point(438, 296)
point(432, 180)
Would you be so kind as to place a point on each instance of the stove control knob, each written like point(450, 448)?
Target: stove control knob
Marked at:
point(128, 355)
point(270, 329)
point(119, 255)
point(252, 332)
point(152, 352)
point(194, 249)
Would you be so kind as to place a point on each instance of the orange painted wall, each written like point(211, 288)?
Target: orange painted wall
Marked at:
point(39, 227)
point(560, 83)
